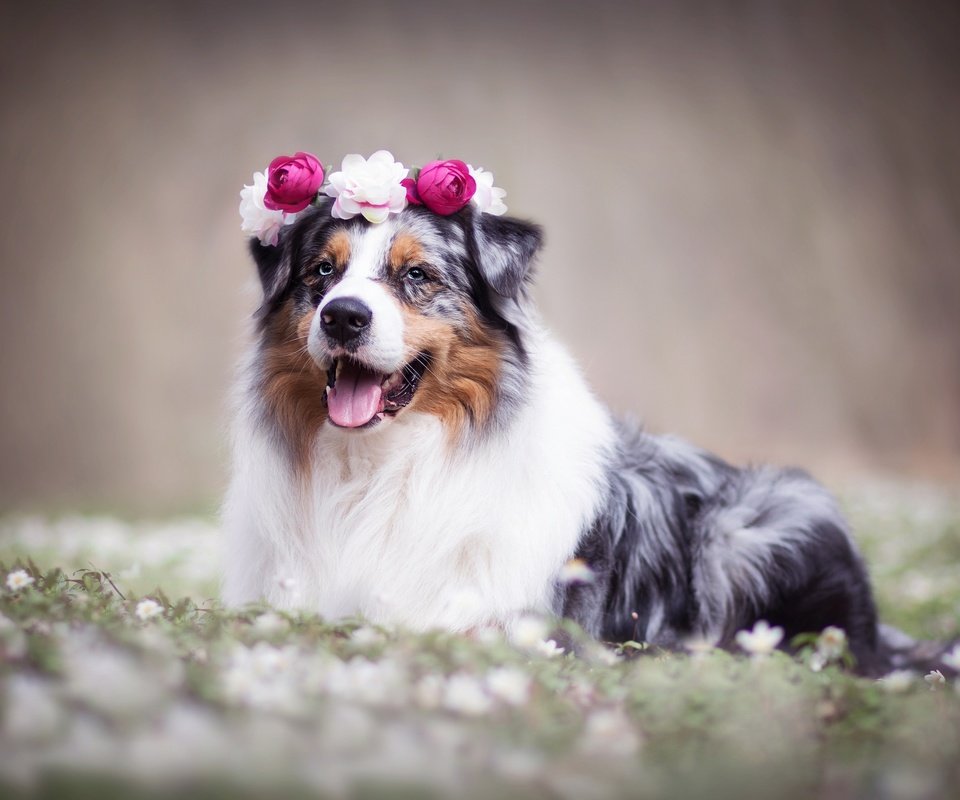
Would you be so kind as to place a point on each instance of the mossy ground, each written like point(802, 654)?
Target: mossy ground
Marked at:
point(197, 700)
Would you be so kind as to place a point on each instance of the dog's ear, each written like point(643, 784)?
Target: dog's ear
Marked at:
point(504, 248)
point(273, 267)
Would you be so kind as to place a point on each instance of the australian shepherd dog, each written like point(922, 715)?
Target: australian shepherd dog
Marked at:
point(413, 447)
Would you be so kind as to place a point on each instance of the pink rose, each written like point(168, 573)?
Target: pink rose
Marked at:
point(442, 186)
point(293, 182)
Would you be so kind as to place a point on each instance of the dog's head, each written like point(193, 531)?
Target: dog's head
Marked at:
point(362, 323)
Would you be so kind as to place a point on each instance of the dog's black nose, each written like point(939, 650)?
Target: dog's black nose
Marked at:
point(344, 319)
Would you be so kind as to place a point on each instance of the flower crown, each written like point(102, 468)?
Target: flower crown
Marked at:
point(374, 188)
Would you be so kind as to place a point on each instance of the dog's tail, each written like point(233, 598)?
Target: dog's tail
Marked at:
point(898, 651)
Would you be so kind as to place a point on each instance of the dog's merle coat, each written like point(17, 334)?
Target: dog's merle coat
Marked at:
point(497, 465)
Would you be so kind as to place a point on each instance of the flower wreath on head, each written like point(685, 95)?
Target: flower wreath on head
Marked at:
point(373, 188)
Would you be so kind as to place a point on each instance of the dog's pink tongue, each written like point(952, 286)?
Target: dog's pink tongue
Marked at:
point(355, 398)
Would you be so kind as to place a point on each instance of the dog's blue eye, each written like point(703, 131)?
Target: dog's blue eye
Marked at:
point(325, 268)
point(416, 274)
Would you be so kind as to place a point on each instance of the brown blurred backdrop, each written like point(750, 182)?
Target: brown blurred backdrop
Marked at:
point(752, 209)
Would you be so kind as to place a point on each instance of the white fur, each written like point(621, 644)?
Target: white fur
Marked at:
point(384, 350)
point(401, 527)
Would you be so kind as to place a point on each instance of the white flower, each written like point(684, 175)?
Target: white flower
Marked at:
point(509, 684)
point(368, 186)
point(19, 579)
point(258, 220)
point(488, 198)
point(287, 584)
point(762, 640)
point(366, 635)
point(549, 648)
point(429, 691)
point(148, 609)
point(699, 645)
point(465, 695)
point(576, 570)
point(269, 623)
point(528, 631)
point(897, 681)
point(935, 679)
point(831, 643)
point(952, 659)
point(609, 732)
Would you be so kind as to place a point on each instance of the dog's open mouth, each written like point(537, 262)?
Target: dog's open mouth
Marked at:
point(359, 397)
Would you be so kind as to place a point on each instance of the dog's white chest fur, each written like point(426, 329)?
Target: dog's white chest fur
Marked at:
point(401, 528)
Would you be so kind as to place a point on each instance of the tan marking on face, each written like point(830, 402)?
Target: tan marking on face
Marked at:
point(405, 249)
point(293, 386)
point(460, 386)
point(337, 249)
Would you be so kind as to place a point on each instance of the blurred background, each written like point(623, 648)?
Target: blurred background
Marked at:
point(752, 213)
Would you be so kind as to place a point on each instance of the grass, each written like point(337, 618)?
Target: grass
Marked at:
point(98, 700)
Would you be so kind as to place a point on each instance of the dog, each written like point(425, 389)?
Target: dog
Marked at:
point(413, 447)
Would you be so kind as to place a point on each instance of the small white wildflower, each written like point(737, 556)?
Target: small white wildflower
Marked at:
point(699, 645)
point(576, 570)
point(509, 684)
point(818, 661)
point(762, 640)
point(898, 681)
point(609, 732)
point(488, 634)
point(549, 648)
point(935, 679)
point(19, 579)
point(269, 623)
point(429, 691)
point(952, 659)
point(148, 609)
point(831, 643)
point(465, 695)
point(366, 636)
point(528, 631)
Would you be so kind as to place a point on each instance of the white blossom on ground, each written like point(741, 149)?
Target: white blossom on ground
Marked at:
point(148, 609)
point(935, 679)
point(832, 643)
point(381, 683)
point(466, 695)
point(428, 691)
point(263, 677)
point(762, 640)
point(269, 623)
point(509, 684)
point(19, 579)
point(528, 631)
point(549, 648)
point(609, 732)
point(699, 645)
point(900, 680)
point(366, 635)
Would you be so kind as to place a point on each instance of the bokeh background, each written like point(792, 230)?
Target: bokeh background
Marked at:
point(752, 213)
